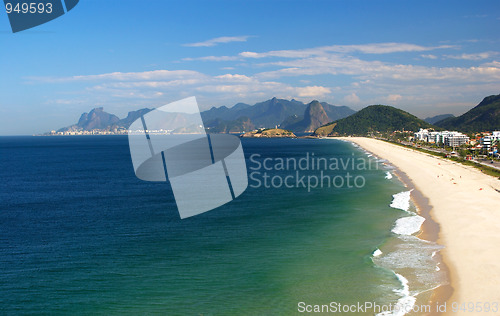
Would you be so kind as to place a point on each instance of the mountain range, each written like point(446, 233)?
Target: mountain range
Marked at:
point(320, 117)
point(483, 117)
point(242, 117)
point(98, 119)
point(291, 115)
point(437, 118)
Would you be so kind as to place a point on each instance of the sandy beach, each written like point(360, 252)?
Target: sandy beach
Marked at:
point(465, 204)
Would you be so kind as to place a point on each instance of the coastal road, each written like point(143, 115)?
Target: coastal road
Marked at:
point(488, 163)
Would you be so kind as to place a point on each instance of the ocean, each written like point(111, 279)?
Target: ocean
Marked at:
point(80, 234)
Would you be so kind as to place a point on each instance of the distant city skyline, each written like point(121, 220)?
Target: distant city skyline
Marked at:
point(425, 57)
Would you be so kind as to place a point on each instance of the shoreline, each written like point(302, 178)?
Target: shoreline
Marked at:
point(462, 201)
point(430, 232)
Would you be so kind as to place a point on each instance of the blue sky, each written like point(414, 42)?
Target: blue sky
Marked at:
point(426, 57)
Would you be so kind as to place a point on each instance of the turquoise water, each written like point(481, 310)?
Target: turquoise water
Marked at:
point(80, 234)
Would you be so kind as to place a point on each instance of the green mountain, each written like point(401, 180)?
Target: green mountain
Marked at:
point(314, 117)
point(373, 118)
point(484, 117)
point(437, 118)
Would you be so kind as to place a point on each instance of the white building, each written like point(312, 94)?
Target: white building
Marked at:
point(487, 141)
point(452, 139)
point(435, 137)
point(455, 139)
point(421, 135)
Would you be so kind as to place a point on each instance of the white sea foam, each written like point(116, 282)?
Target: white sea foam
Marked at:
point(408, 225)
point(377, 253)
point(401, 200)
point(387, 166)
point(388, 175)
point(405, 303)
point(413, 255)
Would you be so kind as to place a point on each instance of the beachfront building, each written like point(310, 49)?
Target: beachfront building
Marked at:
point(421, 135)
point(435, 138)
point(427, 136)
point(451, 139)
point(489, 140)
point(486, 142)
point(455, 139)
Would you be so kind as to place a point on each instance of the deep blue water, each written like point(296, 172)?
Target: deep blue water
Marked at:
point(80, 234)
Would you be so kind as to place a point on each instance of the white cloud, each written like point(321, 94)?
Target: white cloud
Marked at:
point(235, 78)
point(394, 97)
point(150, 88)
point(352, 98)
point(149, 84)
point(429, 56)
point(257, 79)
point(213, 58)
point(476, 56)
point(64, 101)
point(218, 40)
point(384, 48)
point(495, 64)
point(376, 48)
point(124, 76)
point(313, 91)
point(377, 70)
